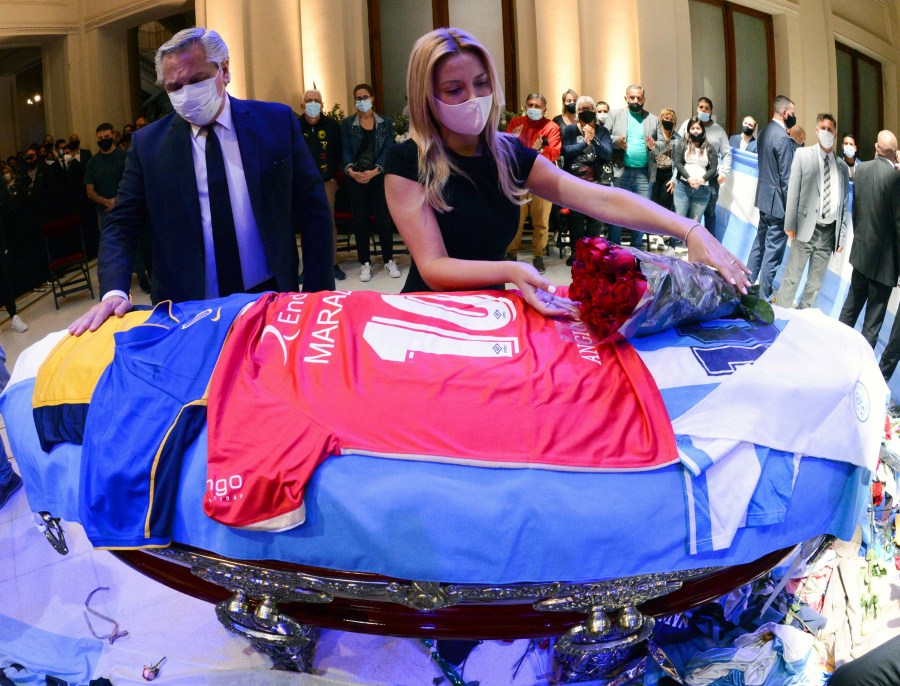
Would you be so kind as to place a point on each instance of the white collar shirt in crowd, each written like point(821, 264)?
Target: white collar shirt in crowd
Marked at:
point(828, 214)
point(250, 246)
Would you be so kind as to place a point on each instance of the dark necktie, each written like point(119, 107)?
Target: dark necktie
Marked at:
point(826, 190)
point(228, 260)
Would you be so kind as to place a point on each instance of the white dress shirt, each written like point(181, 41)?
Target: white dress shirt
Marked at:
point(828, 214)
point(254, 267)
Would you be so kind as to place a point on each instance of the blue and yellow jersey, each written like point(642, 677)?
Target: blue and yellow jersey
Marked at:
point(67, 378)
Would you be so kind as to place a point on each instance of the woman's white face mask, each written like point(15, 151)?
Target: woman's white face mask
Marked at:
point(467, 118)
point(198, 103)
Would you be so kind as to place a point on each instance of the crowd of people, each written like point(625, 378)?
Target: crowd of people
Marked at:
point(221, 187)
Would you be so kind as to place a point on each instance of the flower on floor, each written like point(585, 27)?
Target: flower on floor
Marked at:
point(633, 293)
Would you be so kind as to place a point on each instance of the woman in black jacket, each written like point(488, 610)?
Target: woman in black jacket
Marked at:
point(586, 147)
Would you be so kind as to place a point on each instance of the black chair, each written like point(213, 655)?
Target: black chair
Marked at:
point(66, 257)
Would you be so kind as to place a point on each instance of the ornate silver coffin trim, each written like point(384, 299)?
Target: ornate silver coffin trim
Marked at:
point(283, 586)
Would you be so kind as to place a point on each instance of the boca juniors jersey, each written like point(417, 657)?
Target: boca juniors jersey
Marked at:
point(476, 378)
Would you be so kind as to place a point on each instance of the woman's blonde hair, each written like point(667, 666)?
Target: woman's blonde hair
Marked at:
point(669, 111)
point(434, 163)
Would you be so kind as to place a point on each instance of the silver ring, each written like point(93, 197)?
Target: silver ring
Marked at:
point(733, 261)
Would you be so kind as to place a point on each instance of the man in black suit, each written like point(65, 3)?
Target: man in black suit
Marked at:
point(746, 139)
point(776, 153)
point(875, 255)
point(224, 186)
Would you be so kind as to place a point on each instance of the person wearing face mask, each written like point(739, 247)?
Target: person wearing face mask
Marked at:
point(223, 186)
point(666, 139)
point(633, 130)
point(568, 116)
point(104, 173)
point(848, 153)
point(875, 249)
point(586, 148)
point(33, 177)
point(454, 187)
point(696, 165)
point(815, 214)
point(607, 176)
point(775, 151)
point(323, 138)
point(535, 131)
point(746, 139)
point(80, 154)
point(717, 140)
point(366, 138)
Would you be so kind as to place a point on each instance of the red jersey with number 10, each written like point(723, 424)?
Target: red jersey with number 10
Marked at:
point(476, 378)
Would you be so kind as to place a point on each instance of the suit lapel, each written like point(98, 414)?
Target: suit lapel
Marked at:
point(245, 129)
point(179, 147)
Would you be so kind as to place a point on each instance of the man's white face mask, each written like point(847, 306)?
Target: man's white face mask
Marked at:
point(198, 103)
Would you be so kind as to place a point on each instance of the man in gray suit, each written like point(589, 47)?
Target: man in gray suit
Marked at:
point(875, 255)
point(633, 131)
point(776, 153)
point(815, 214)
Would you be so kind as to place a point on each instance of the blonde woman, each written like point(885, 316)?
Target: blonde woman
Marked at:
point(454, 187)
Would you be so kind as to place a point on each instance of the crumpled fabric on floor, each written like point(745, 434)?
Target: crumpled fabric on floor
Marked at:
point(43, 653)
point(774, 654)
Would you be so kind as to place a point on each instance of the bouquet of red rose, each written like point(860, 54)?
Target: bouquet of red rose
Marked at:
point(635, 293)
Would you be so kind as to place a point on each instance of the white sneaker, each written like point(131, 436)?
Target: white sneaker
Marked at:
point(392, 269)
point(365, 274)
point(17, 325)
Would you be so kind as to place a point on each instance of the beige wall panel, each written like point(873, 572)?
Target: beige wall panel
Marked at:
point(272, 33)
point(52, 16)
point(870, 15)
point(227, 17)
point(323, 61)
point(559, 48)
point(128, 13)
point(106, 73)
point(610, 48)
point(356, 49)
point(529, 50)
point(664, 57)
point(57, 95)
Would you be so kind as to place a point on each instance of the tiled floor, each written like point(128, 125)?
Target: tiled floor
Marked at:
point(48, 591)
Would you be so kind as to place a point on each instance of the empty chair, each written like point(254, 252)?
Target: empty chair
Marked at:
point(66, 257)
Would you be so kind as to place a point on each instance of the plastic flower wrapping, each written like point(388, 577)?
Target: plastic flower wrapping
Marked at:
point(635, 293)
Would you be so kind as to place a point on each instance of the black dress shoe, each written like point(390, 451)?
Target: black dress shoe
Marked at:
point(339, 274)
point(538, 263)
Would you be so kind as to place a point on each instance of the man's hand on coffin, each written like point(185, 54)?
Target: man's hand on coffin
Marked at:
point(703, 247)
point(541, 293)
point(99, 313)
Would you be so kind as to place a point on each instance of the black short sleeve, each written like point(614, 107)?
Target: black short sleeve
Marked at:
point(403, 160)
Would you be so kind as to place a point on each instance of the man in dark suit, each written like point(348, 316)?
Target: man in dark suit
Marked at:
point(223, 184)
point(875, 255)
point(776, 153)
point(746, 139)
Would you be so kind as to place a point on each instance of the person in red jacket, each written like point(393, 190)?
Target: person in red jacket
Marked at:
point(534, 130)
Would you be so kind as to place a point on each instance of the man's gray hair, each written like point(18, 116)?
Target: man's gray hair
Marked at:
point(538, 96)
point(584, 100)
point(216, 50)
point(635, 87)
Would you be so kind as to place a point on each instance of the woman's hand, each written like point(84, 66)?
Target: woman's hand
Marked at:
point(541, 294)
point(703, 247)
point(695, 182)
point(670, 186)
